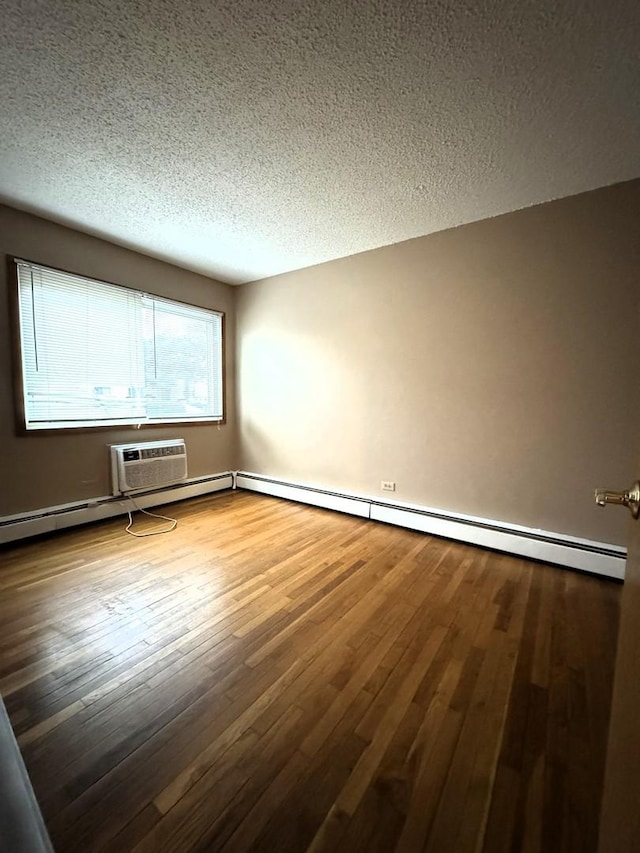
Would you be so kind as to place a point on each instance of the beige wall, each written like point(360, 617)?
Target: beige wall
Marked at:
point(487, 369)
point(38, 470)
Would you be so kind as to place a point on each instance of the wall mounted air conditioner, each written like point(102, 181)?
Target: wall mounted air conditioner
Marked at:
point(147, 465)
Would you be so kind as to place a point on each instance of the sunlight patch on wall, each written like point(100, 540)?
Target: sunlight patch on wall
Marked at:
point(294, 392)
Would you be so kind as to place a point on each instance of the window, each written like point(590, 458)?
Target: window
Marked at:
point(95, 354)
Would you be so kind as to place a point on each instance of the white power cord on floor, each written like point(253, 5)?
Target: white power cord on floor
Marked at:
point(174, 522)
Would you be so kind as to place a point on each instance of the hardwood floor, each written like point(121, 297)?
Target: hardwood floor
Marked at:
point(275, 677)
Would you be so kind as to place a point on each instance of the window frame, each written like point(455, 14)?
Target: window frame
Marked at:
point(18, 372)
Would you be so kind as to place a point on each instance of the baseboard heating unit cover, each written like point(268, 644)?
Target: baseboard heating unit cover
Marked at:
point(53, 518)
point(586, 555)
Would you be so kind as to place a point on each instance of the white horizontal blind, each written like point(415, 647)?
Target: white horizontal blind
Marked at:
point(96, 354)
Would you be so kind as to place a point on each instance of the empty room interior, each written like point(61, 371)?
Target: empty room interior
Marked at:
point(319, 426)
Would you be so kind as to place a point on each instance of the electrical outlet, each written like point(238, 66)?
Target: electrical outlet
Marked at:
point(388, 486)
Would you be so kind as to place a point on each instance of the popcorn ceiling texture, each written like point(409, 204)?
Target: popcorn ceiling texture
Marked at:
point(242, 139)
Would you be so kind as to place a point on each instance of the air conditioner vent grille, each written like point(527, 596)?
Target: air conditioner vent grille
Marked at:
point(136, 467)
point(165, 450)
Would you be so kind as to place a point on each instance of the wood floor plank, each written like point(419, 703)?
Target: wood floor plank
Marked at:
point(272, 676)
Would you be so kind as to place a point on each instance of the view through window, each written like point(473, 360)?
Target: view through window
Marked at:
point(97, 354)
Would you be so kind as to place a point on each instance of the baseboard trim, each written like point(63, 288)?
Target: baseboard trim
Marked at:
point(47, 520)
point(583, 554)
point(304, 494)
point(586, 555)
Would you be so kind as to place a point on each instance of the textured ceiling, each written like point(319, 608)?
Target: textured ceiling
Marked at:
point(247, 138)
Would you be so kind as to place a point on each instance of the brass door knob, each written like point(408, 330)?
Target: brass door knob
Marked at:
point(630, 498)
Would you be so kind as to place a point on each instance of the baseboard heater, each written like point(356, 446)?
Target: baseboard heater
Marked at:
point(69, 515)
point(568, 551)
